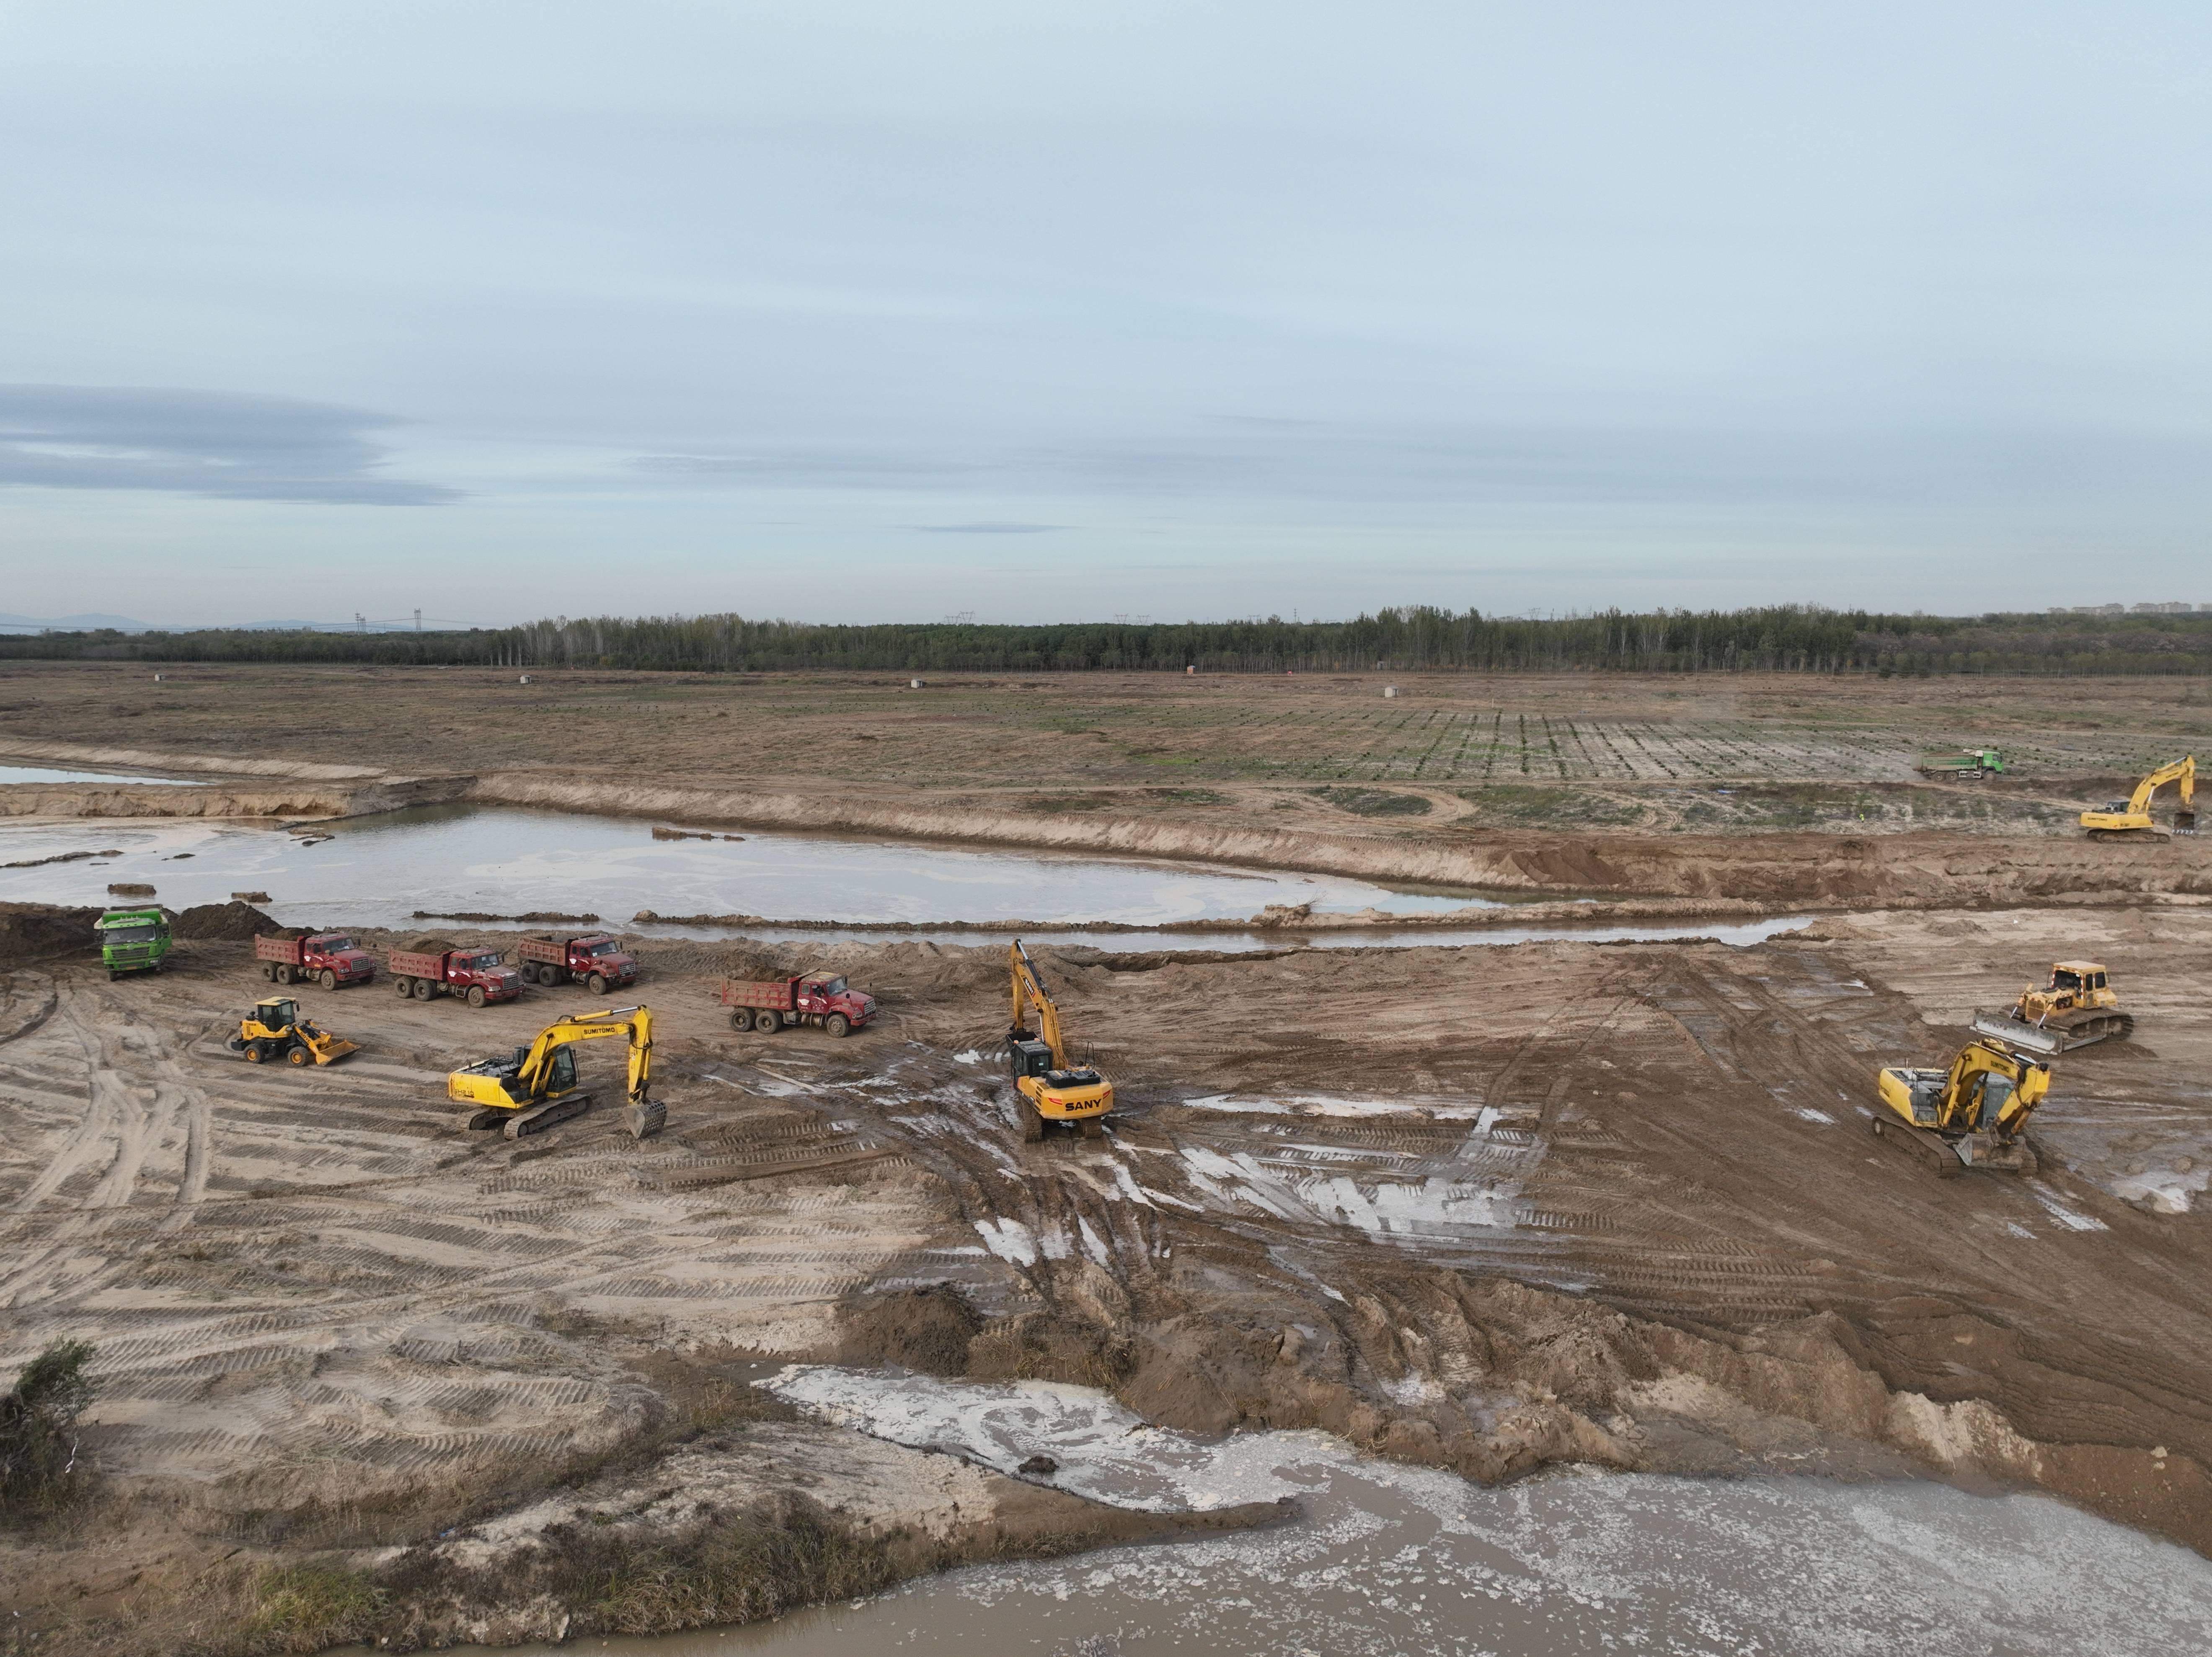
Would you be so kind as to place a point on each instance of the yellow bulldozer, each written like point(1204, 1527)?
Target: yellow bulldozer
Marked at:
point(2076, 1007)
point(1972, 1115)
point(538, 1087)
point(2131, 818)
point(274, 1030)
point(1052, 1087)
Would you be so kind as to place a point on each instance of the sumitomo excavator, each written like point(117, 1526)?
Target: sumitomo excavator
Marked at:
point(2131, 818)
point(1052, 1087)
point(1972, 1115)
point(538, 1087)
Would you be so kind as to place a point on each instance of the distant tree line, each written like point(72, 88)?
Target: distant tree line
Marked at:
point(1787, 639)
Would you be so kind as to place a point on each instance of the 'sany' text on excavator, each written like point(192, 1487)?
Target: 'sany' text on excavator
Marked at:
point(538, 1086)
point(1052, 1087)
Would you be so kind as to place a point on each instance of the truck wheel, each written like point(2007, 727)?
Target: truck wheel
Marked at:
point(423, 989)
point(283, 974)
point(741, 1018)
point(330, 979)
point(598, 983)
point(768, 1022)
point(404, 986)
point(298, 1055)
point(1032, 1121)
point(838, 1025)
point(476, 995)
point(269, 972)
point(255, 1053)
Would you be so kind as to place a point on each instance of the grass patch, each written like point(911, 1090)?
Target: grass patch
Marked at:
point(738, 1570)
point(1528, 803)
point(307, 1608)
point(1373, 802)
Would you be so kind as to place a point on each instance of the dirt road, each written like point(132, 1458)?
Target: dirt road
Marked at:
point(1482, 1208)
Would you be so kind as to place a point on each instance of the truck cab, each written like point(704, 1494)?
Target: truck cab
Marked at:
point(133, 941)
point(820, 994)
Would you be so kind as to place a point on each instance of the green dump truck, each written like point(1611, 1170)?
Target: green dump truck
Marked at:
point(133, 941)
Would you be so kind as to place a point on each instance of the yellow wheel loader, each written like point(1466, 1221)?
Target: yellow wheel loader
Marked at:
point(1972, 1115)
point(274, 1032)
point(2131, 818)
point(2076, 1007)
point(538, 1087)
point(1053, 1089)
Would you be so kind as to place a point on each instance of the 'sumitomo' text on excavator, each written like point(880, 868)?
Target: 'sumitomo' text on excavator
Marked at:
point(538, 1087)
point(1052, 1087)
point(1970, 1115)
point(2131, 818)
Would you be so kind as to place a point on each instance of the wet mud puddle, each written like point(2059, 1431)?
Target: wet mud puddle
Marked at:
point(1387, 1559)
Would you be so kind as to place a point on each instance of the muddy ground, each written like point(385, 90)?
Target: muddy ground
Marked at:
point(1483, 1208)
point(364, 1374)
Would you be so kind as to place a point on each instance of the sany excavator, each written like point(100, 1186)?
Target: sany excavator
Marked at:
point(538, 1086)
point(1969, 1116)
point(1052, 1089)
point(2131, 818)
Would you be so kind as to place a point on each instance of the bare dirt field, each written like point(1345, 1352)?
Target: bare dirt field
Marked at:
point(1484, 1209)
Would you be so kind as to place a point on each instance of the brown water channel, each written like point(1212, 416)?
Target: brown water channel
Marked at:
point(1388, 1560)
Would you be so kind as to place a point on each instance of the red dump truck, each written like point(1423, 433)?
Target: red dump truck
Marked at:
point(821, 999)
point(478, 976)
point(329, 959)
point(591, 959)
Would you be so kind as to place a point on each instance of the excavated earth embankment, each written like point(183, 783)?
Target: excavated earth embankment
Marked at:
point(1484, 1210)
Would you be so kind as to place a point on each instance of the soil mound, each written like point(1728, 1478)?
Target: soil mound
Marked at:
point(29, 931)
point(922, 1329)
point(129, 889)
point(431, 946)
point(232, 922)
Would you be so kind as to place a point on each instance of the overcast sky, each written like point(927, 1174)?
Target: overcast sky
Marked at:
point(860, 312)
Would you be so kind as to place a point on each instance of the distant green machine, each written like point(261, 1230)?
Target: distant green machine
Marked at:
point(133, 941)
point(1978, 763)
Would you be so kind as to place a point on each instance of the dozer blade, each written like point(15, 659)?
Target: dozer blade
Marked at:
point(2027, 1038)
point(538, 1118)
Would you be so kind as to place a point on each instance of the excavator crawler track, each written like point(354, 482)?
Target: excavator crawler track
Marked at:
point(1923, 1147)
point(538, 1118)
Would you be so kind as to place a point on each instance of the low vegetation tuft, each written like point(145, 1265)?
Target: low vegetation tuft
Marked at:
point(42, 1463)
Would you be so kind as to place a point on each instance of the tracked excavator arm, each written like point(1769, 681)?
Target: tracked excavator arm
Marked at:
point(538, 1087)
point(2131, 818)
point(1052, 1087)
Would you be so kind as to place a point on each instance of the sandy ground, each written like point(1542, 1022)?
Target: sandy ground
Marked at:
point(1482, 1209)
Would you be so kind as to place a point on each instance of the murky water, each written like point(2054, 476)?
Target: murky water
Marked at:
point(42, 773)
point(378, 870)
point(1386, 1561)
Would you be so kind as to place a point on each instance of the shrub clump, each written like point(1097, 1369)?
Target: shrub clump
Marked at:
point(41, 1465)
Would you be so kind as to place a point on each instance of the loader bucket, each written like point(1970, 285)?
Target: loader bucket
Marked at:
point(2020, 1035)
point(329, 1049)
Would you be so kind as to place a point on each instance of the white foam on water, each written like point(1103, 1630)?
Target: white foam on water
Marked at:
point(1389, 1561)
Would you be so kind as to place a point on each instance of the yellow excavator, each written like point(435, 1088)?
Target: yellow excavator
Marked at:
point(274, 1029)
point(1052, 1088)
point(1970, 1115)
point(2076, 1007)
point(2131, 818)
point(538, 1087)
